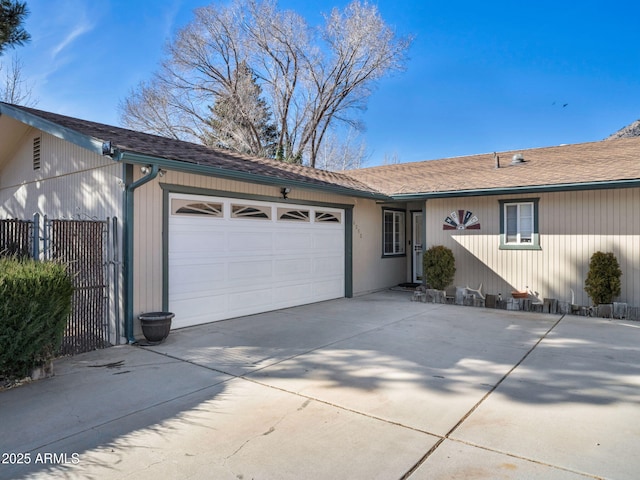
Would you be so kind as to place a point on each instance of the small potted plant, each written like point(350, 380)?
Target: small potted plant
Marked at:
point(156, 326)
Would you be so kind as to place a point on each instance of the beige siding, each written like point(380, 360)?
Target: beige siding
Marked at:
point(71, 183)
point(573, 225)
point(370, 271)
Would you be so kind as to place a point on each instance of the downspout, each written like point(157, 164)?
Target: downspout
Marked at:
point(128, 249)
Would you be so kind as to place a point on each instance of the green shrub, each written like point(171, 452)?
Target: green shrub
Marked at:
point(35, 302)
point(439, 267)
point(603, 280)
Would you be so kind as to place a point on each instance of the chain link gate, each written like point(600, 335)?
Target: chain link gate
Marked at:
point(90, 250)
point(83, 245)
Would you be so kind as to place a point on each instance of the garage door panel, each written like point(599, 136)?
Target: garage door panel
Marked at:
point(295, 294)
point(330, 241)
point(328, 289)
point(250, 271)
point(222, 267)
point(248, 242)
point(249, 301)
point(201, 242)
point(198, 278)
point(194, 311)
point(328, 265)
point(293, 268)
point(290, 242)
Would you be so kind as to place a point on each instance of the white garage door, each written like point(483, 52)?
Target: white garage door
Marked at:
point(232, 257)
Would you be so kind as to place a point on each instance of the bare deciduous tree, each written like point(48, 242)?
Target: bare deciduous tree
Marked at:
point(342, 153)
point(313, 80)
point(15, 88)
point(391, 159)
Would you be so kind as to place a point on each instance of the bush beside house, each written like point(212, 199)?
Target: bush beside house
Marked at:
point(439, 267)
point(603, 279)
point(35, 302)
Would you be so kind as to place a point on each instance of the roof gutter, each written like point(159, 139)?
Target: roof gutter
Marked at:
point(199, 169)
point(128, 248)
point(563, 187)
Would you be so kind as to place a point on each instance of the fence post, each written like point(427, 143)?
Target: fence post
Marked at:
point(45, 238)
point(35, 232)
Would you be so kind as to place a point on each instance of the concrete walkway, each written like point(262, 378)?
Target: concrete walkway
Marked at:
point(365, 388)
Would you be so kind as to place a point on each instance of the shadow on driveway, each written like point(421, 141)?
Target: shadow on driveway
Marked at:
point(372, 382)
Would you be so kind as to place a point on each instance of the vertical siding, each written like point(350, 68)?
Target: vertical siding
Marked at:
point(71, 183)
point(370, 271)
point(573, 226)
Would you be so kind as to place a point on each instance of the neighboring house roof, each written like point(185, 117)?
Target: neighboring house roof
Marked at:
point(140, 147)
point(604, 164)
point(565, 167)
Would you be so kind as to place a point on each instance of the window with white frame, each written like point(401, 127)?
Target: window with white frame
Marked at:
point(393, 237)
point(519, 224)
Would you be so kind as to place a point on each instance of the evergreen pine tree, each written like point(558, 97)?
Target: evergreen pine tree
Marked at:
point(240, 118)
point(12, 16)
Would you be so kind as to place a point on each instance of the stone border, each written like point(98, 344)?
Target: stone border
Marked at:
point(617, 310)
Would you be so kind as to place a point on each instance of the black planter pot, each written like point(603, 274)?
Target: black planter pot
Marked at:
point(156, 326)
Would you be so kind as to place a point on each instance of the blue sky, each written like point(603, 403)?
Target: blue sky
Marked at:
point(482, 76)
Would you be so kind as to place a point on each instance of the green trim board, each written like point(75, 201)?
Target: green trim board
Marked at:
point(168, 189)
point(92, 144)
point(129, 197)
point(348, 252)
point(96, 145)
point(565, 187)
point(188, 190)
point(212, 171)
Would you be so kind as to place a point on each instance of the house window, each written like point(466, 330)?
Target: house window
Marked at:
point(188, 207)
point(250, 211)
point(393, 232)
point(327, 217)
point(293, 215)
point(519, 224)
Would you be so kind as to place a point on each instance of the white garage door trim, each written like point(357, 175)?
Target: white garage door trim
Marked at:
point(229, 257)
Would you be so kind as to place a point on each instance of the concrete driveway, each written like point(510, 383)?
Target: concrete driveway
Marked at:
point(364, 388)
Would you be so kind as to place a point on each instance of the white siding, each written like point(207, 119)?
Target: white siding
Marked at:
point(573, 225)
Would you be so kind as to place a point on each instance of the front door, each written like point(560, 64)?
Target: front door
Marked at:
point(418, 229)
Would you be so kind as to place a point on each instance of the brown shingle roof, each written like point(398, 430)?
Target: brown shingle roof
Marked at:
point(171, 149)
point(614, 160)
point(585, 163)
